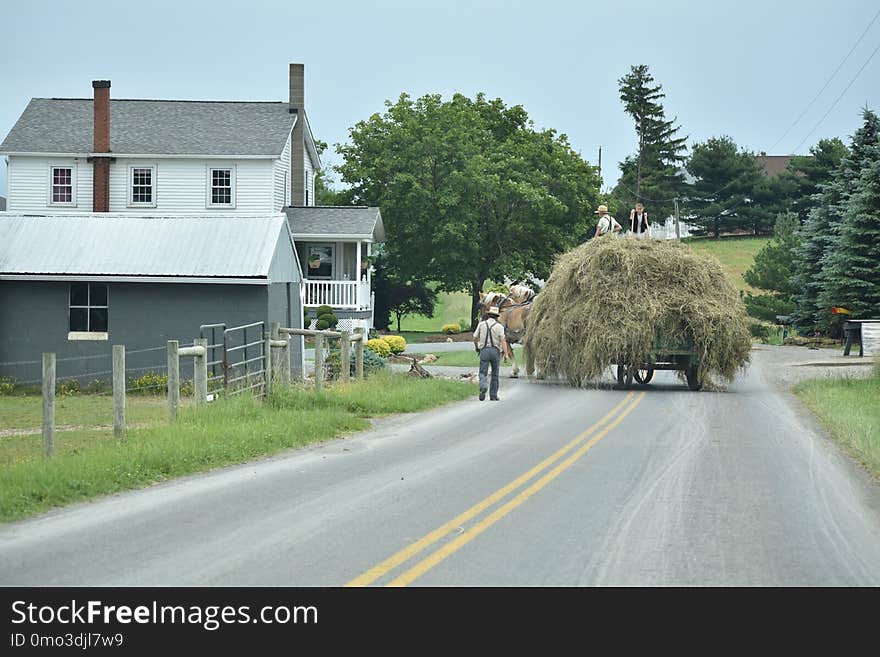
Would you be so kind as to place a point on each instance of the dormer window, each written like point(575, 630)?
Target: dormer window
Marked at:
point(61, 186)
point(221, 187)
point(142, 186)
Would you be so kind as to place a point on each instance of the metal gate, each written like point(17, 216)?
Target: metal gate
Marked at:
point(236, 357)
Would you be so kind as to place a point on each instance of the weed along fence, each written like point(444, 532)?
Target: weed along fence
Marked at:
point(226, 361)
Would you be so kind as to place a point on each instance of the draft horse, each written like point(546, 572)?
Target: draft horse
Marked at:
point(513, 309)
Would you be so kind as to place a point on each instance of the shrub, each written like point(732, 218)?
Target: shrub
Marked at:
point(67, 387)
point(329, 321)
point(462, 322)
point(323, 310)
point(397, 343)
point(97, 386)
point(379, 346)
point(156, 383)
point(760, 331)
point(451, 328)
point(7, 385)
point(372, 363)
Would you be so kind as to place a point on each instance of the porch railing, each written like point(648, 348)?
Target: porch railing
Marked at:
point(354, 295)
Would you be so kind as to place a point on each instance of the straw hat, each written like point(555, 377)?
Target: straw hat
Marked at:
point(603, 209)
point(493, 311)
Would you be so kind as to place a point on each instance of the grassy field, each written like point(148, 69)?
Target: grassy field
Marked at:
point(736, 254)
point(846, 409)
point(26, 411)
point(450, 307)
point(92, 463)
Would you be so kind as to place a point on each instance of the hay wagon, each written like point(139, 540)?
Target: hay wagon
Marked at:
point(666, 356)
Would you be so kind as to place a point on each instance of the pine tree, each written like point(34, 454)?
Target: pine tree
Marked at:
point(721, 197)
point(821, 269)
point(654, 174)
point(851, 268)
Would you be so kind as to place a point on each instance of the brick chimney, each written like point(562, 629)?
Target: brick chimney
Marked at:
point(297, 101)
point(101, 163)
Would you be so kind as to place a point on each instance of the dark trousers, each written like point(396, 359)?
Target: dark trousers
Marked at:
point(490, 356)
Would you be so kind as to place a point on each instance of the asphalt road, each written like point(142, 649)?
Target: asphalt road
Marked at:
point(549, 486)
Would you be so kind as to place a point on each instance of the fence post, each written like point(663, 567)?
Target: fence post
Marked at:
point(345, 357)
point(285, 361)
point(173, 379)
point(267, 363)
point(200, 373)
point(359, 353)
point(118, 390)
point(49, 403)
point(319, 362)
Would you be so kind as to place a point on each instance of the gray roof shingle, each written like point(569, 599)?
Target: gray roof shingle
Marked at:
point(125, 245)
point(349, 221)
point(154, 127)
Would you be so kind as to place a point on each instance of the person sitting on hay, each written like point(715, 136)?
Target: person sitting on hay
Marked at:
point(606, 222)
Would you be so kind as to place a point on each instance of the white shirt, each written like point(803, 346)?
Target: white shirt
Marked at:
point(606, 221)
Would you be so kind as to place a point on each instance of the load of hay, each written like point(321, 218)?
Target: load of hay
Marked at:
point(607, 301)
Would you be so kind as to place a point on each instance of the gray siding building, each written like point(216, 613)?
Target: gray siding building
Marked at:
point(75, 285)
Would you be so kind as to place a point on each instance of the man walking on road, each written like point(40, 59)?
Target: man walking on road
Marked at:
point(489, 342)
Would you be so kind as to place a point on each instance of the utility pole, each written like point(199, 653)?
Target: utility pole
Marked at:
point(600, 169)
point(677, 230)
point(639, 166)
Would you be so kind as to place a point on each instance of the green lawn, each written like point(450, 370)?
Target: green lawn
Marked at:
point(26, 411)
point(450, 307)
point(735, 253)
point(91, 463)
point(848, 409)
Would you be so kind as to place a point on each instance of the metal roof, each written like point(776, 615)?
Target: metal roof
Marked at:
point(214, 247)
point(357, 222)
point(154, 127)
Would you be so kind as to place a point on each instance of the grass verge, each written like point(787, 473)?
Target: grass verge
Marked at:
point(92, 463)
point(26, 411)
point(848, 409)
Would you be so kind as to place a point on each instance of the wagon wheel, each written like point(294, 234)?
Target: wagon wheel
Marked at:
point(624, 376)
point(693, 382)
point(644, 376)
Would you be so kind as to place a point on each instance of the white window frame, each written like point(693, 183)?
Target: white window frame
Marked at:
point(88, 335)
point(209, 179)
point(63, 204)
point(154, 169)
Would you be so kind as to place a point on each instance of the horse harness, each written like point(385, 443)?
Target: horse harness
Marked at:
point(518, 334)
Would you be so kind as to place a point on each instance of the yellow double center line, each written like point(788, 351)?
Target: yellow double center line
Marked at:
point(609, 421)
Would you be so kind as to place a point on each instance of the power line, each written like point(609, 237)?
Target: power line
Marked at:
point(827, 82)
point(837, 100)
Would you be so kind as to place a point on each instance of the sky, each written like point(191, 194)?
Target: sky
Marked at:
point(745, 69)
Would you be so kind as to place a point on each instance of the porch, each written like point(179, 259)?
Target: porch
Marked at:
point(334, 246)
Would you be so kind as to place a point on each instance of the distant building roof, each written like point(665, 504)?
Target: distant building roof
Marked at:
point(154, 127)
point(340, 221)
point(773, 165)
point(139, 247)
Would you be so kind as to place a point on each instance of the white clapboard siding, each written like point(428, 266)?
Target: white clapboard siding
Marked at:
point(310, 176)
point(181, 185)
point(29, 180)
point(281, 178)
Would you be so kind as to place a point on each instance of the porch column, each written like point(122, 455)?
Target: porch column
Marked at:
point(357, 262)
point(369, 269)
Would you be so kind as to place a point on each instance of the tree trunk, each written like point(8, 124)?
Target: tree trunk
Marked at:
point(476, 289)
point(399, 315)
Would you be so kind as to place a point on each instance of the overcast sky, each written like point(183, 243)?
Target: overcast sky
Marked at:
point(746, 69)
